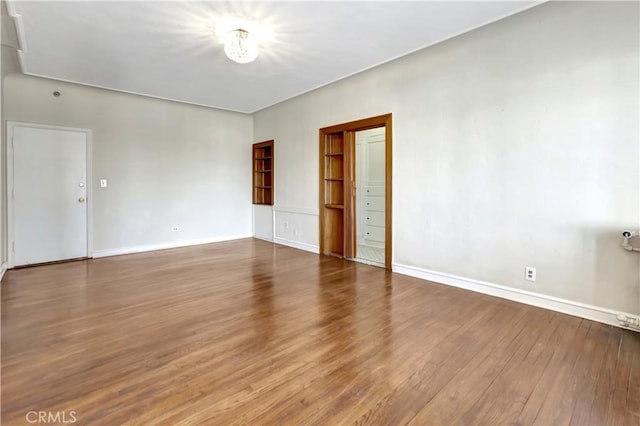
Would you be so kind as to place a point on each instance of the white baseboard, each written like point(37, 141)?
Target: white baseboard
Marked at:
point(297, 244)
point(263, 238)
point(594, 313)
point(3, 269)
point(369, 262)
point(164, 246)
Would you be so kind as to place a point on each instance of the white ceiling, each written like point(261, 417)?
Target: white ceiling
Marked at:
point(171, 50)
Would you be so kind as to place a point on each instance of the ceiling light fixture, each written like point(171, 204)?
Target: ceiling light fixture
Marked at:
point(241, 46)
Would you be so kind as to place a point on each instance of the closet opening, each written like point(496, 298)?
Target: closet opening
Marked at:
point(355, 190)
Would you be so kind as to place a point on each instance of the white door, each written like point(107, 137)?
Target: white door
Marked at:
point(49, 195)
point(370, 195)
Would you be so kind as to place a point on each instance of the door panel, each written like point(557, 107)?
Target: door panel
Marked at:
point(374, 218)
point(374, 234)
point(377, 191)
point(50, 207)
point(374, 204)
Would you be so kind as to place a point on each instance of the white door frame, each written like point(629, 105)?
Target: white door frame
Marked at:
point(11, 125)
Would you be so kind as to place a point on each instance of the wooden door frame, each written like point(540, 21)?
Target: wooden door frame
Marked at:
point(11, 125)
point(349, 129)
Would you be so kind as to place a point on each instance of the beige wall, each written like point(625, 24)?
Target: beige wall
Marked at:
point(167, 164)
point(514, 145)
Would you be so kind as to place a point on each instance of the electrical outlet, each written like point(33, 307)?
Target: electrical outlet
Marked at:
point(530, 273)
point(103, 183)
point(175, 229)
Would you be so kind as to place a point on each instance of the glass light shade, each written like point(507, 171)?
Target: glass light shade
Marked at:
point(241, 46)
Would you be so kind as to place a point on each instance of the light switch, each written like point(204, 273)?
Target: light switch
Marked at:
point(103, 183)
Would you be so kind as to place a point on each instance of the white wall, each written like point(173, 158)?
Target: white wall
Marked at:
point(167, 164)
point(515, 144)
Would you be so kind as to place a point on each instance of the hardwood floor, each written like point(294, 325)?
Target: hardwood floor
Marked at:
point(247, 332)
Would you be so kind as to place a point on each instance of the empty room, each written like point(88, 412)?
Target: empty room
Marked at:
point(320, 212)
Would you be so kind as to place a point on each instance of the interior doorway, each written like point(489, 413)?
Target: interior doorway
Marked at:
point(49, 188)
point(355, 190)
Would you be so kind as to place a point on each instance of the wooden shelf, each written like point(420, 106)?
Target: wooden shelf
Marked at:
point(335, 206)
point(263, 172)
point(332, 196)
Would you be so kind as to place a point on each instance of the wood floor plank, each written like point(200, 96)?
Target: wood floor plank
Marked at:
point(566, 332)
point(462, 393)
point(402, 398)
point(606, 381)
point(558, 403)
point(617, 413)
point(633, 394)
point(492, 407)
point(408, 395)
point(346, 363)
point(248, 332)
point(587, 370)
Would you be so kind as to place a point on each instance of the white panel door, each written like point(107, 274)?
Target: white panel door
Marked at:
point(370, 195)
point(49, 190)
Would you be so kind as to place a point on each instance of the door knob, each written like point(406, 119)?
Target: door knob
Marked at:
point(81, 200)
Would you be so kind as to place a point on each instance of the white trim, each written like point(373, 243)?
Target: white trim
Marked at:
point(11, 9)
point(11, 125)
point(273, 223)
point(130, 92)
point(20, 34)
point(18, 24)
point(89, 196)
point(10, 192)
point(582, 310)
point(369, 262)
point(297, 244)
point(253, 220)
point(296, 210)
point(257, 237)
point(3, 269)
point(21, 61)
point(165, 246)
